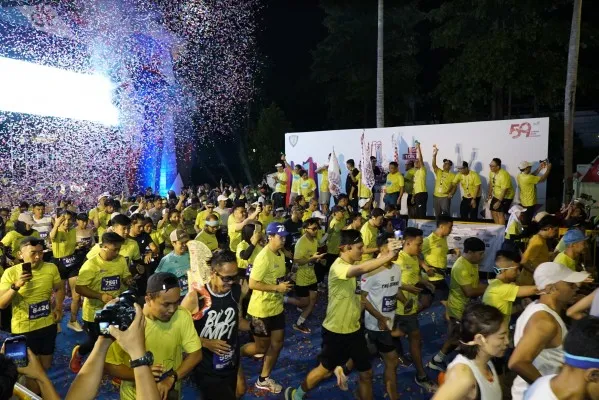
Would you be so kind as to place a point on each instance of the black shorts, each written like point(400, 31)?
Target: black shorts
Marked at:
point(407, 323)
point(67, 273)
point(216, 387)
point(337, 348)
point(504, 207)
point(382, 340)
point(41, 341)
point(304, 291)
point(453, 330)
point(262, 327)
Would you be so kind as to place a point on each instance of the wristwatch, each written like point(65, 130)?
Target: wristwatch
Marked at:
point(172, 373)
point(14, 287)
point(146, 359)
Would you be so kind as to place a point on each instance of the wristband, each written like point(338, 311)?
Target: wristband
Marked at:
point(14, 287)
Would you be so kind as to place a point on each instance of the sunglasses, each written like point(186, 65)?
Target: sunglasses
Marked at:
point(226, 278)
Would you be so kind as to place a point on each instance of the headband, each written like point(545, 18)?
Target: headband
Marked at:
point(581, 362)
point(212, 223)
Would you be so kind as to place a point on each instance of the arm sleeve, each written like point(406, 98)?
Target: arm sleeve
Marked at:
point(247, 253)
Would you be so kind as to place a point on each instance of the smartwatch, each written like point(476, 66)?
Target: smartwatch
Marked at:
point(146, 359)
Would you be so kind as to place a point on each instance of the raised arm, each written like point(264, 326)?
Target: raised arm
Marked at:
point(579, 309)
point(435, 151)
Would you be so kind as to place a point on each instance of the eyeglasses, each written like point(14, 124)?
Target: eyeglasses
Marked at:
point(227, 278)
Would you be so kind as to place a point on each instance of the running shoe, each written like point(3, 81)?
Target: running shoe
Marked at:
point(437, 366)
point(302, 328)
point(270, 385)
point(426, 384)
point(75, 326)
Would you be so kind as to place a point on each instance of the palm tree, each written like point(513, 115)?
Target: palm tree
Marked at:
point(570, 99)
point(380, 89)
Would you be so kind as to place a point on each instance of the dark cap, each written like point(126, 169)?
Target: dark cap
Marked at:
point(464, 165)
point(31, 241)
point(161, 281)
point(449, 161)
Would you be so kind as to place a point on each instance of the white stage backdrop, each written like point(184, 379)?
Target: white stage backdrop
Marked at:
point(477, 143)
point(491, 234)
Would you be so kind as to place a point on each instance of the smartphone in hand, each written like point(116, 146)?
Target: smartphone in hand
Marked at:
point(27, 268)
point(15, 348)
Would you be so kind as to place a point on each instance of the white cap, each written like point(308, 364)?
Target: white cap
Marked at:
point(26, 218)
point(523, 165)
point(279, 165)
point(539, 216)
point(319, 215)
point(105, 194)
point(549, 273)
point(362, 202)
point(222, 197)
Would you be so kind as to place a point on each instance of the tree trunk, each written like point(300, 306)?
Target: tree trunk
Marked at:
point(380, 89)
point(570, 97)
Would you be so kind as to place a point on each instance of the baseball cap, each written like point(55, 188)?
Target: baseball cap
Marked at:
point(278, 165)
point(280, 209)
point(523, 165)
point(179, 235)
point(319, 215)
point(31, 241)
point(549, 273)
point(26, 218)
point(105, 194)
point(161, 281)
point(362, 202)
point(464, 165)
point(574, 236)
point(275, 228)
point(539, 216)
point(222, 197)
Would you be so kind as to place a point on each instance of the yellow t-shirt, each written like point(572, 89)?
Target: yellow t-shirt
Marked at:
point(410, 275)
point(208, 239)
point(167, 341)
point(129, 250)
point(536, 253)
point(394, 183)
point(93, 212)
point(434, 250)
point(31, 308)
point(305, 248)
point(502, 181)
point(527, 183)
point(443, 181)
point(363, 191)
point(295, 182)
point(103, 277)
point(501, 295)
point(64, 243)
point(242, 246)
point(343, 308)
point(13, 241)
point(409, 181)
point(564, 259)
point(324, 181)
point(469, 184)
point(307, 188)
point(201, 218)
point(420, 180)
point(189, 216)
point(513, 229)
point(369, 234)
point(334, 238)
point(103, 220)
point(265, 220)
point(268, 268)
point(234, 236)
point(157, 237)
point(281, 186)
point(463, 273)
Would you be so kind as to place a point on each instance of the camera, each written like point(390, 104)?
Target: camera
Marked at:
point(120, 314)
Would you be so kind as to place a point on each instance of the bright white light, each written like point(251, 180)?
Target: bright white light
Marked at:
point(36, 89)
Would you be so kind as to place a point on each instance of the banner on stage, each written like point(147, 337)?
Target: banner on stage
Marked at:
point(491, 234)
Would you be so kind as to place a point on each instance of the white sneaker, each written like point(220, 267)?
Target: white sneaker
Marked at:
point(75, 326)
point(270, 385)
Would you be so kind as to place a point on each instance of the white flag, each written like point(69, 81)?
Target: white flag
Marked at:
point(334, 175)
point(367, 172)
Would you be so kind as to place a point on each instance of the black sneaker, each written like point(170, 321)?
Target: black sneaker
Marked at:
point(426, 384)
point(302, 328)
point(437, 366)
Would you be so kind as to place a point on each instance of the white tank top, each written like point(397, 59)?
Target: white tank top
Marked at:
point(548, 361)
point(43, 226)
point(486, 390)
point(541, 389)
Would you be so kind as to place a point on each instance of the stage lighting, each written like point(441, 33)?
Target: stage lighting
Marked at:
point(36, 89)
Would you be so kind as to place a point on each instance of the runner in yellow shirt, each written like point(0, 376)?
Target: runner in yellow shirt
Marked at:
point(501, 191)
point(464, 285)
point(280, 186)
point(406, 319)
point(101, 278)
point(307, 186)
point(12, 240)
point(342, 338)
point(443, 181)
point(324, 196)
point(471, 191)
point(503, 291)
point(369, 232)
point(576, 246)
point(420, 195)
point(266, 216)
point(312, 207)
point(248, 249)
point(305, 257)
point(237, 220)
point(30, 295)
point(267, 324)
point(208, 234)
point(409, 187)
point(101, 219)
point(202, 215)
point(394, 186)
point(295, 179)
point(189, 216)
point(527, 185)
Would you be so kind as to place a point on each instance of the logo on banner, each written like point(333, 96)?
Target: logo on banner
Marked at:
point(293, 140)
point(524, 129)
point(411, 155)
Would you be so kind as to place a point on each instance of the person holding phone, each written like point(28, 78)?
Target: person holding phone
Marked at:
point(28, 287)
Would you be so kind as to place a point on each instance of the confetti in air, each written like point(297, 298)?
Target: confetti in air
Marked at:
point(180, 72)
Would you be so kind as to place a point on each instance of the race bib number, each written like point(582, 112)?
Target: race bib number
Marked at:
point(69, 261)
point(43, 235)
point(111, 283)
point(389, 303)
point(87, 242)
point(223, 361)
point(39, 310)
point(183, 284)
